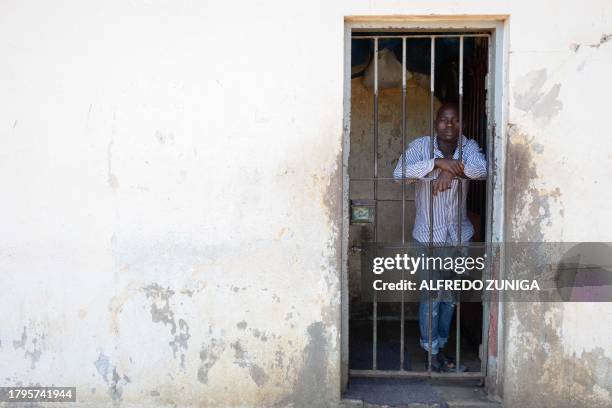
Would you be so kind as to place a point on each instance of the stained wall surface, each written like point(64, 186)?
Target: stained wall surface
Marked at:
point(172, 187)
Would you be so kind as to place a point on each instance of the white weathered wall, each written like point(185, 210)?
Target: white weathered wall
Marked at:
point(171, 184)
point(559, 173)
point(169, 206)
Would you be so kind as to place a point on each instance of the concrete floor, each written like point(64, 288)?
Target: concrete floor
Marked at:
point(413, 393)
point(463, 394)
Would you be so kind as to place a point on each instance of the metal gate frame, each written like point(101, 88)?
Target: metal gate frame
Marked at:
point(494, 190)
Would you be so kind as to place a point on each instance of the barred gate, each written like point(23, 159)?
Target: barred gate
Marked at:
point(478, 127)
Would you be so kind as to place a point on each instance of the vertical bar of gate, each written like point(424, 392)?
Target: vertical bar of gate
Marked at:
point(403, 191)
point(374, 300)
point(459, 203)
point(431, 213)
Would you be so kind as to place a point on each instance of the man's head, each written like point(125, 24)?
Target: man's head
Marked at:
point(447, 123)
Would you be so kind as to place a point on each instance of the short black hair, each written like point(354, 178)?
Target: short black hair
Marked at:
point(447, 105)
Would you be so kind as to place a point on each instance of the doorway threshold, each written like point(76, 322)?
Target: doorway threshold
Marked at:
point(415, 393)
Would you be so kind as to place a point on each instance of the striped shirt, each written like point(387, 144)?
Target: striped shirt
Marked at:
point(419, 165)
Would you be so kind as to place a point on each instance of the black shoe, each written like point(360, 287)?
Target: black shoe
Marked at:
point(448, 365)
point(435, 362)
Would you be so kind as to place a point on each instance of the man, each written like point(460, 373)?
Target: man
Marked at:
point(444, 167)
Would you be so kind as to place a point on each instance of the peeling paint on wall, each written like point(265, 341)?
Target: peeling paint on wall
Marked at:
point(527, 205)
point(162, 313)
point(180, 342)
point(160, 307)
point(537, 371)
point(311, 387)
point(535, 96)
point(242, 359)
point(113, 379)
point(21, 342)
point(604, 39)
point(33, 351)
point(209, 354)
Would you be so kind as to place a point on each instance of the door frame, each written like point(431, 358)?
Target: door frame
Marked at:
point(497, 25)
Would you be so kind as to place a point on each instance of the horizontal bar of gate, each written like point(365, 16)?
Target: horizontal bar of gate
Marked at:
point(414, 374)
point(356, 36)
point(409, 179)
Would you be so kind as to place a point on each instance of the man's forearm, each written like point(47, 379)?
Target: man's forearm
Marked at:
point(413, 170)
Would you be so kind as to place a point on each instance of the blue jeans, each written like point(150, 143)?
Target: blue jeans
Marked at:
point(441, 320)
point(443, 308)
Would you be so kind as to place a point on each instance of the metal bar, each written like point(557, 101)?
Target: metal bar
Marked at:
point(372, 37)
point(432, 75)
point(398, 246)
point(415, 374)
point(380, 318)
point(374, 301)
point(407, 179)
point(431, 107)
point(403, 140)
point(403, 192)
point(431, 220)
point(477, 124)
point(475, 110)
point(459, 204)
point(392, 200)
point(429, 296)
point(476, 113)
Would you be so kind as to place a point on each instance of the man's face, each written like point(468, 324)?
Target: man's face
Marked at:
point(447, 124)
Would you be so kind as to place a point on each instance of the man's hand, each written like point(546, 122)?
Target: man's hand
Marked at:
point(443, 182)
point(455, 167)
